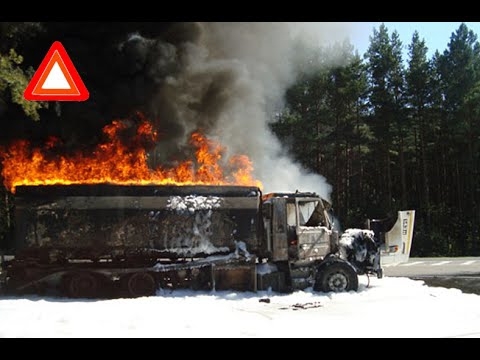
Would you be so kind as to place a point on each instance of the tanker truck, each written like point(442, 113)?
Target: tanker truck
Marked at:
point(104, 240)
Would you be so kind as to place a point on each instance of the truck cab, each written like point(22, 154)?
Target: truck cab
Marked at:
point(302, 241)
point(298, 227)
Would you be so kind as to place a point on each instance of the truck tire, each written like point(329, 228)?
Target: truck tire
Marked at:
point(141, 284)
point(336, 276)
point(81, 285)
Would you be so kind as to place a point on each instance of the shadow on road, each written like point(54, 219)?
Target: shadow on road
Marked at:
point(467, 284)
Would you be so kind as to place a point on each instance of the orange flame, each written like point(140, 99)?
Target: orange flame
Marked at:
point(115, 163)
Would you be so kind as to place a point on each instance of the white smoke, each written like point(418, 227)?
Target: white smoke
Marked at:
point(265, 58)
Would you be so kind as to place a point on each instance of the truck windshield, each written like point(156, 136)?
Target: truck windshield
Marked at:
point(311, 213)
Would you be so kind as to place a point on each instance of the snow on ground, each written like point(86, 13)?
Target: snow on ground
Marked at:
point(382, 308)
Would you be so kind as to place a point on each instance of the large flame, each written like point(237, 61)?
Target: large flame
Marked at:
point(116, 163)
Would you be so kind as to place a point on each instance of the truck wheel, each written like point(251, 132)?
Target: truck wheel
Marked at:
point(336, 277)
point(141, 284)
point(81, 285)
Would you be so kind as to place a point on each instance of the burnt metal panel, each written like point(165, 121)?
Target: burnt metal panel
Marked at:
point(128, 202)
point(240, 277)
point(46, 191)
point(279, 230)
point(108, 219)
point(313, 242)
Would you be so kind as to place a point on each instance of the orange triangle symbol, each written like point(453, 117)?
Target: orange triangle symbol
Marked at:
point(56, 79)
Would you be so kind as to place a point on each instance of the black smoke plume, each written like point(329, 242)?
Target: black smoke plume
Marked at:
point(224, 79)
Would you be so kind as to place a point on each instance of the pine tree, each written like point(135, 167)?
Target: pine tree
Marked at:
point(386, 83)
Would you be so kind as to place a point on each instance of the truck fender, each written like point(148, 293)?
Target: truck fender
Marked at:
point(331, 258)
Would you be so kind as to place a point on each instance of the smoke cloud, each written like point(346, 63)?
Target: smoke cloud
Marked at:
point(226, 80)
point(229, 82)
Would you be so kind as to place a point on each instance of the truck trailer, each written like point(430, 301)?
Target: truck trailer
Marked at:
point(104, 240)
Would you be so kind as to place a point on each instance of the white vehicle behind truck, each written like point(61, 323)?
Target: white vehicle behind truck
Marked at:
point(396, 240)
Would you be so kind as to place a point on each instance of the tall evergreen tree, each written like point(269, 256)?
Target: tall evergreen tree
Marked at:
point(386, 82)
point(347, 102)
point(323, 124)
point(458, 68)
point(419, 98)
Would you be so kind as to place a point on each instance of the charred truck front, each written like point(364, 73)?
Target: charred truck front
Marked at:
point(117, 240)
point(306, 249)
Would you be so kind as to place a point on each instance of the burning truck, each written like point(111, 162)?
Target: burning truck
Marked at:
point(117, 237)
point(99, 240)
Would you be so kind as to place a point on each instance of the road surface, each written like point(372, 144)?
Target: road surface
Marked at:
point(435, 267)
point(462, 273)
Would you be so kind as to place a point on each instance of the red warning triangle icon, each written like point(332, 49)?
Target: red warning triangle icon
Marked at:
point(56, 79)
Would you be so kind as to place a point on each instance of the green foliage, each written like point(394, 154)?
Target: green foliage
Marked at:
point(458, 66)
point(390, 134)
point(14, 80)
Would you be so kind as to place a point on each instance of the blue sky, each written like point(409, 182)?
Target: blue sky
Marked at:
point(436, 34)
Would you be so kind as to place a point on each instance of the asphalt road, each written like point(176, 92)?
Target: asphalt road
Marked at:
point(435, 267)
point(462, 273)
